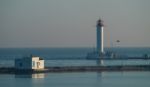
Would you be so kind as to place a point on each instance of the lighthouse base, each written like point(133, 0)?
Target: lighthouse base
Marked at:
point(107, 55)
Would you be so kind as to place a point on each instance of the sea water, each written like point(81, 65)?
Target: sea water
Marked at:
point(8, 55)
point(78, 79)
point(73, 79)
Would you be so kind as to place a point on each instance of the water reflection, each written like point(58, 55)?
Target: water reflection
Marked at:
point(35, 75)
point(99, 79)
point(99, 62)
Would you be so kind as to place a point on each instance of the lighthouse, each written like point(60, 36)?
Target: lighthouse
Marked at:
point(99, 52)
point(100, 37)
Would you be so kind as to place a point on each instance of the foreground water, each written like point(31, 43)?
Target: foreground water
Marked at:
point(78, 79)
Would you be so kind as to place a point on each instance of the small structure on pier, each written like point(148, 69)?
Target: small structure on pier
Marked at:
point(29, 63)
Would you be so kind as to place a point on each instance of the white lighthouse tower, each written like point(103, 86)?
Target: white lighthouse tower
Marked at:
point(99, 52)
point(100, 37)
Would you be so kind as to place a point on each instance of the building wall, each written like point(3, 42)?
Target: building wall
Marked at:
point(37, 64)
point(24, 63)
point(29, 63)
point(34, 62)
point(18, 63)
point(41, 64)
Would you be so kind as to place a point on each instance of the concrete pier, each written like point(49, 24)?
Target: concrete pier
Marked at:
point(12, 70)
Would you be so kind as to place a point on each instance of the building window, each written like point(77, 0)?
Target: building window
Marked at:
point(20, 64)
point(33, 63)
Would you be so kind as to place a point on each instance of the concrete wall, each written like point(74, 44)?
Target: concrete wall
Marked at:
point(24, 63)
point(37, 63)
point(29, 63)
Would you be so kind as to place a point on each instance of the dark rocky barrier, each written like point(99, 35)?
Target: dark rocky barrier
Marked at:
point(12, 70)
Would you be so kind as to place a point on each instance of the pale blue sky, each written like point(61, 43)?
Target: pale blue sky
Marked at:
point(71, 23)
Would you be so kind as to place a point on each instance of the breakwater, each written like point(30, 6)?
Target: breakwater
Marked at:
point(12, 70)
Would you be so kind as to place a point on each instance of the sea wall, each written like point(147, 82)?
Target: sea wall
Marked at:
point(12, 70)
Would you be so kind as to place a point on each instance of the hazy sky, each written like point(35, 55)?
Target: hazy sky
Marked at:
point(71, 23)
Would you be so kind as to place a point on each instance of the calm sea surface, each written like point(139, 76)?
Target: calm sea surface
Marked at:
point(78, 79)
point(75, 79)
point(7, 56)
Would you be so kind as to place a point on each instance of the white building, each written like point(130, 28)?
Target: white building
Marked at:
point(31, 62)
